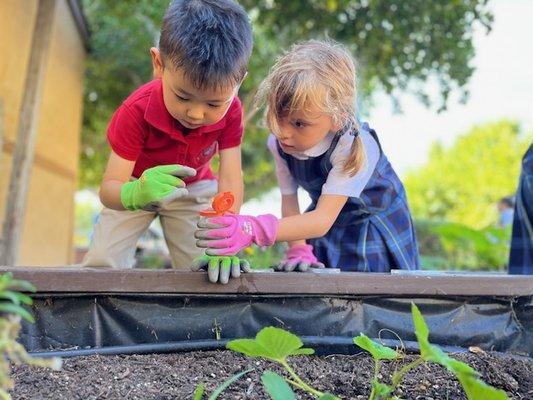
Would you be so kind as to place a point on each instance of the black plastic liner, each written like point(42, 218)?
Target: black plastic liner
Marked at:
point(83, 324)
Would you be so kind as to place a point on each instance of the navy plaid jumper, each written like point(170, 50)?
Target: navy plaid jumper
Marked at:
point(373, 232)
point(521, 257)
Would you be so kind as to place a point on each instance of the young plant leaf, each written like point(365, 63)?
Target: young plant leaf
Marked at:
point(16, 297)
point(276, 386)
point(272, 343)
point(467, 376)
point(226, 383)
point(380, 389)
point(378, 351)
point(428, 351)
point(20, 284)
point(477, 389)
point(199, 392)
point(328, 396)
point(16, 310)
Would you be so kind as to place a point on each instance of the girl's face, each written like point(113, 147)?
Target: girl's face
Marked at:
point(301, 131)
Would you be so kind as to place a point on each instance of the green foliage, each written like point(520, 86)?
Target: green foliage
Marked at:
point(276, 386)
point(10, 349)
point(199, 391)
point(448, 245)
point(399, 46)
point(9, 290)
point(276, 344)
point(264, 257)
point(225, 384)
point(467, 376)
point(271, 343)
point(200, 388)
point(377, 350)
point(453, 197)
point(463, 183)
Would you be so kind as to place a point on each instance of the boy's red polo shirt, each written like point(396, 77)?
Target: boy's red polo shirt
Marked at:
point(142, 130)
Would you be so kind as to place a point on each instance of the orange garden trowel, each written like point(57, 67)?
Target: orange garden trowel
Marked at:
point(221, 205)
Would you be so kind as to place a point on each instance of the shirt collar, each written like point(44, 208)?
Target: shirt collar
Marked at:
point(157, 115)
point(317, 150)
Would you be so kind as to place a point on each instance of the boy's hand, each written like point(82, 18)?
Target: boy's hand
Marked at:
point(220, 269)
point(229, 234)
point(299, 258)
point(156, 187)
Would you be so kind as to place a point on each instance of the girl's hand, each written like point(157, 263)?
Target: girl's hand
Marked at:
point(299, 257)
point(229, 234)
point(220, 269)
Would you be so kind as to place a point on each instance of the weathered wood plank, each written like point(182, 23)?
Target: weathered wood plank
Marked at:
point(106, 280)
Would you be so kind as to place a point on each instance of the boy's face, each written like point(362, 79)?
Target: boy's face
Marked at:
point(301, 131)
point(192, 107)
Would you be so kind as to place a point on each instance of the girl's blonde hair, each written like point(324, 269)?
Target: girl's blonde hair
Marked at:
point(318, 74)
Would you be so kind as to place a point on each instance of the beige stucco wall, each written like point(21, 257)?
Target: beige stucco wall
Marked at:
point(49, 220)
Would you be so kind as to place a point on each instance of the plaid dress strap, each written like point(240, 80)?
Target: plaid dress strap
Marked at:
point(521, 255)
point(373, 232)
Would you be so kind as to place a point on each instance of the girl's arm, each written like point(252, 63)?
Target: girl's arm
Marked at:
point(314, 223)
point(290, 207)
point(118, 172)
point(230, 175)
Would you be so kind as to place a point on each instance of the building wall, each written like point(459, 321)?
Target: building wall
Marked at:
point(49, 220)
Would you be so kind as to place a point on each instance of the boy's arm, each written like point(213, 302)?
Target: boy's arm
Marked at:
point(118, 172)
point(230, 175)
point(290, 207)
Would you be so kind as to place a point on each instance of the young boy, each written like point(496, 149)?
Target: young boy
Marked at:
point(166, 132)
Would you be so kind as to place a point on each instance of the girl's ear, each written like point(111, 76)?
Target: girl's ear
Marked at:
point(335, 127)
point(157, 62)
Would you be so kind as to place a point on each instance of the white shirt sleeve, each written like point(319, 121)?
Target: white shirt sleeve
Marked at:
point(339, 182)
point(286, 182)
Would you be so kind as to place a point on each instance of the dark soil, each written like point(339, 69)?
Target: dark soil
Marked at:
point(174, 376)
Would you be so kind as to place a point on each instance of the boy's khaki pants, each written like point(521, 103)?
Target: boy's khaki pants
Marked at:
point(116, 233)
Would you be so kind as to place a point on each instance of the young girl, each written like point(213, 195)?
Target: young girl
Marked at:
point(359, 219)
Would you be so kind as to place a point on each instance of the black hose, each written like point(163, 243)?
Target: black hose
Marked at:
point(323, 345)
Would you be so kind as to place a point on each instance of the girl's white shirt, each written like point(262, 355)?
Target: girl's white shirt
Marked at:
point(338, 182)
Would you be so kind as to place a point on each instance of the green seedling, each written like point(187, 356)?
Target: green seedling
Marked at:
point(474, 388)
point(276, 345)
point(11, 306)
point(9, 290)
point(200, 389)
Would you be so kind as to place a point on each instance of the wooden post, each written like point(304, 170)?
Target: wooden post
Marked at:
point(27, 131)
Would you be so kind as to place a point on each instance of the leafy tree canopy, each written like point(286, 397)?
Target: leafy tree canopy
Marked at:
point(463, 183)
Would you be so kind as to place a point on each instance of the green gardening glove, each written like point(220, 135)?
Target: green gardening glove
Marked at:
point(156, 187)
point(221, 268)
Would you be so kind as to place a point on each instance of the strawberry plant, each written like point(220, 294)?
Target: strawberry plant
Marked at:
point(276, 345)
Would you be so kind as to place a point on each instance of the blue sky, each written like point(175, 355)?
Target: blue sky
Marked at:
point(501, 87)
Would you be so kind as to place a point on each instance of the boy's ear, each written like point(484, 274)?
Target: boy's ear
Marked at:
point(157, 62)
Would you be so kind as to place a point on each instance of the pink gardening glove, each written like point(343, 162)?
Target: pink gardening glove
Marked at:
point(299, 257)
point(229, 234)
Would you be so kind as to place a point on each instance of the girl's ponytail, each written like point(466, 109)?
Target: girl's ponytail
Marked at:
point(357, 158)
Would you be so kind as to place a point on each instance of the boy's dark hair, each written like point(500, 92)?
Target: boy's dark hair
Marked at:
point(210, 39)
